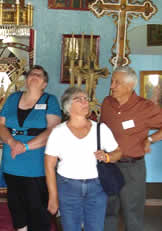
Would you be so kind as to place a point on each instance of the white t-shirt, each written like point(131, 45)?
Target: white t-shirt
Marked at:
point(77, 159)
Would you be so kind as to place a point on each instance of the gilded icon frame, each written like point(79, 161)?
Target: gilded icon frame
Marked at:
point(154, 35)
point(151, 86)
point(69, 4)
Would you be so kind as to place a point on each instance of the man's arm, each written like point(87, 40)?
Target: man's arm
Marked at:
point(153, 138)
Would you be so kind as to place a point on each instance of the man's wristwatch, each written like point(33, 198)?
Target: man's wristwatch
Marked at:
point(150, 139)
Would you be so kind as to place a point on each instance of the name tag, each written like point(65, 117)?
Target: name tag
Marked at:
point(40, 106)
point(128, 124)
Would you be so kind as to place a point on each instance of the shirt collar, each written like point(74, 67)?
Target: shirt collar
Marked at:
point(130, 103)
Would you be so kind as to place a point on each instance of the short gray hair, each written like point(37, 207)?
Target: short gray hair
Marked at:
point(131, 75)
point(66, 99)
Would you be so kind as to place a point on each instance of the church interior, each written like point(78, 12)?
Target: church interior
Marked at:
point(79, 43)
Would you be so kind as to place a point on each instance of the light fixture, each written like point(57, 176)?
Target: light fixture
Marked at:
point(16, 19)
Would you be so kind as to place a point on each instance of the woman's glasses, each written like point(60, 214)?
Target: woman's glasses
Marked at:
point(81, 98)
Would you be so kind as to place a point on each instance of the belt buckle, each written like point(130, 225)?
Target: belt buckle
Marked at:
point(16, 132)
point(13, 132)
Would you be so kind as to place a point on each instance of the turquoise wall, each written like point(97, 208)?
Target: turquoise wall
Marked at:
point(51, 24)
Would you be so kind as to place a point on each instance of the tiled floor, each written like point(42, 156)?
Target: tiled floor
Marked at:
point(153, 210)
point(153, 218)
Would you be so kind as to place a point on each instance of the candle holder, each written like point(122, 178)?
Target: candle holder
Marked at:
point(75, 48)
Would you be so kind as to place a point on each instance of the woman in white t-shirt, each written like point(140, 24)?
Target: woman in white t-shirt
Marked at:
point(75, 188)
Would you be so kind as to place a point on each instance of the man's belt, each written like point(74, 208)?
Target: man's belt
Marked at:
point(28, 132)
point(130, 159)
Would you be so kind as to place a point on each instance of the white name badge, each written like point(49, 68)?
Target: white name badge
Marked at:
point(128, 124)
point(40, 106)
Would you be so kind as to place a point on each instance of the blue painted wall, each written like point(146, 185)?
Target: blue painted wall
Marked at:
point(51, 24)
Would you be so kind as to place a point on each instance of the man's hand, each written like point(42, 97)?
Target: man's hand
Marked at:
point(147, 144)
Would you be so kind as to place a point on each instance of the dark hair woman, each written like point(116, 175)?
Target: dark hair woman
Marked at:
point(26, 120)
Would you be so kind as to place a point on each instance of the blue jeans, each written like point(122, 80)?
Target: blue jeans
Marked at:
point(81, 202)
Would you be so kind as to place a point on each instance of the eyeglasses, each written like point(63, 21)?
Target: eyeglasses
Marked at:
point(81, 98)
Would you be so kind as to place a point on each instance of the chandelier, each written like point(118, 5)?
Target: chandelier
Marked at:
point(15, 19)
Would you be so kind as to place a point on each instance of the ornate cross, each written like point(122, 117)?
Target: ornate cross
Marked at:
point(122, 11)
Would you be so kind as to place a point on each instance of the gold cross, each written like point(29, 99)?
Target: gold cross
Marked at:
point(122, 11)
